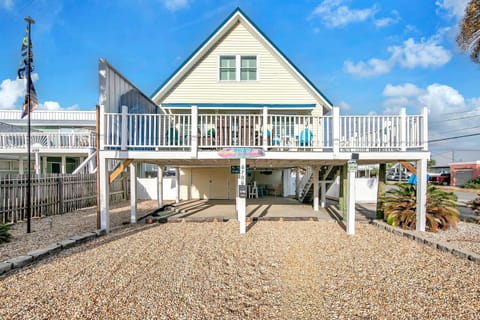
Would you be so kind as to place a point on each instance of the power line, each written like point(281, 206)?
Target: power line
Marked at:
point(461, 129)
point(461, 118)
point(457, 137)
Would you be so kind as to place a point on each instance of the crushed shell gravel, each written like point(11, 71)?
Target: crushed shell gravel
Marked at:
point(278, 270)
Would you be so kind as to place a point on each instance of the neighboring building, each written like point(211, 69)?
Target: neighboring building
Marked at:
point(239, 93)
point(60, 141)
point(462, 172)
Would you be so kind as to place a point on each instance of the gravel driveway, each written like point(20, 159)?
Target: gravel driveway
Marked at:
point(278, 270)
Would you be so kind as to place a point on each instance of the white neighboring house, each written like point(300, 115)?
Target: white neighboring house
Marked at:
point(60, 141)
point(237, 92)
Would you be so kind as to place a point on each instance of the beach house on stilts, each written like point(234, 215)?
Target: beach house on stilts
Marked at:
point(239, 102)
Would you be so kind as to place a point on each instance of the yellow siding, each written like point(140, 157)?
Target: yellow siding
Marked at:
point(275, 83)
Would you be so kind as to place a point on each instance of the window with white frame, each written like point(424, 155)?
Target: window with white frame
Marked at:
point(238, 68)
point(228, 68)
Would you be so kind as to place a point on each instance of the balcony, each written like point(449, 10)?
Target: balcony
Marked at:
point(272, 132)
point(17, 141)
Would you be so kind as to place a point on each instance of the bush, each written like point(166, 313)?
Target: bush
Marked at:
point(4, 233)
point(399, 207)
point(473, 184)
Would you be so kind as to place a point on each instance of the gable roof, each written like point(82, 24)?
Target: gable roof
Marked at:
point(236, 16)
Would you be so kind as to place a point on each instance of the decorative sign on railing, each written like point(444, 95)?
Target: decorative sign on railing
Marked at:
point(238, 153)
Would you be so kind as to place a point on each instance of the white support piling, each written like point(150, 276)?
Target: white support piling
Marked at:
point(20, 164)
point(160, 186)
point(323, 196)
point(297, 184)
point(64, 165)
point(104, 194)
point(133, 193)
point(421, 195)
point(315, 188)
point(352, 169)
point(177, 185)
point(241, 199)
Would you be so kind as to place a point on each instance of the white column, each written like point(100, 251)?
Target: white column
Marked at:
point(425, 128)
point(241, 199)
point(351, 172)
point(101, 122)
point(297, 183)
point(265, 129)
point(37, 163)
point(315, 188)
point(323, 199)
point(133, 193)
point(194, 131)
point(124, 133)
point(160, 186)
point(336, 129)
point(421, 194)
point(177, 184)
point(64, 165)
point(44, 165)
point(104, 194)
point(20, 164)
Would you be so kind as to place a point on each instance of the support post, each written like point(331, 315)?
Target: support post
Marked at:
point(421, 194)
point(315, 188)
point(424, 140)
point(351, 172)
point(104, 194)
point(44, 164)
point(297, 183)
point(323, 199)
point(133, 192)
point(160, 186)
point(242, 195)
point(64, 165)
point(124, 132)
point(37, 163)
point(382, 181)
point(20, 164)
point(336, 129)
point(265, 129)
point(194, 131)
point(177, 185)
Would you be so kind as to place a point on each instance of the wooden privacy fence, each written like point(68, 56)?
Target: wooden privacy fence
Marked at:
point(52, 194)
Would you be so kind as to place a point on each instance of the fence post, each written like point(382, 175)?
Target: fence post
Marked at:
point(425, 129)
point(101, 127)
point(265, 129)
point(60, 193)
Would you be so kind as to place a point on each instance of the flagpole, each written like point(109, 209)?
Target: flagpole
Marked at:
point(29, 69)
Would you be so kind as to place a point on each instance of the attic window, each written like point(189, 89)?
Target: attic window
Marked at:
point(238, 68)
point(228, 68)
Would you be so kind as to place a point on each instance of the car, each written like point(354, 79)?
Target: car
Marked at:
point(443, 179)
point(397, 176)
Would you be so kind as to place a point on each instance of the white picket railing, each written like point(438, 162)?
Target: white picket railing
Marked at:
point(45, 115)
point(48, 140)
point(273, 132)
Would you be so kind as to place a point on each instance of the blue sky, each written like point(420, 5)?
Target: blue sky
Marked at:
point(365, 56)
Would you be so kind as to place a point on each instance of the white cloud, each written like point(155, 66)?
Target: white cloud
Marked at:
point(344, 106)
point(372, 67)
point(407, 90)
point(334, 13)
point(441, 99)
point(424, 54)
point(454, 8)
point(174, 5)
point(384, 22)
point(10, 92)
point(6, 4)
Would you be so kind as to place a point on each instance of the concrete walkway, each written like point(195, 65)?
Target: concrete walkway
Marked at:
point(266, 208)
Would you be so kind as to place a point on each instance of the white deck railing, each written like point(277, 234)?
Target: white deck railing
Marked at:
point(48, 140)
point(45, 115)
point(275, 132)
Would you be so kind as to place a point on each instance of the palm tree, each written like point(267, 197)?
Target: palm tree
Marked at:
point(399, 208)
point(469, 37)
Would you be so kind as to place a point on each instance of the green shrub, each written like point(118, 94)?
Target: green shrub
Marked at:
point(4, 233)
point(473, 184)
point(399, 207)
